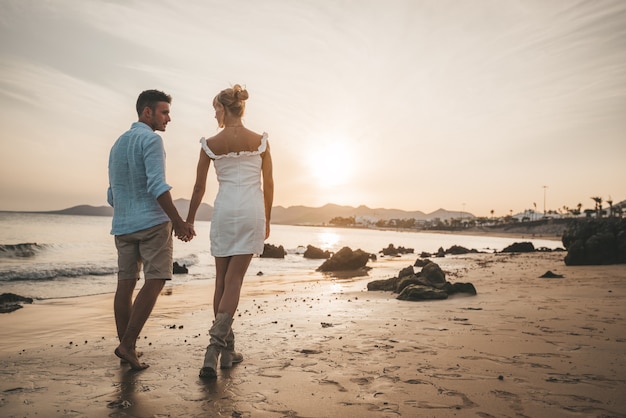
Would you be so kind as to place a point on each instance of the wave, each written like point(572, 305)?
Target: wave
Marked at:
point(23, 250)
point(188, 261)
point(54, 273)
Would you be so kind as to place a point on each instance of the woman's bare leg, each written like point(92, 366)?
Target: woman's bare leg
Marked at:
point(221, 266)
point(236, 268)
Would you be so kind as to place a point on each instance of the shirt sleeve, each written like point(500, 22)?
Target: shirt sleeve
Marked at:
point(110, 196)
point(154, 158)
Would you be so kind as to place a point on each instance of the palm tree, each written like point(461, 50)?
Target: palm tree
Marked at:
point(598, 208)
point(610, 202)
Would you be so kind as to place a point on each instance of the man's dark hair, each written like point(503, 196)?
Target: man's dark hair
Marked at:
point(150, 98)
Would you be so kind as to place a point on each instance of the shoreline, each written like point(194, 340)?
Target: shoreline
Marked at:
point(501, 234)
point(320, 346)
point(43, 289)
point(530, 233)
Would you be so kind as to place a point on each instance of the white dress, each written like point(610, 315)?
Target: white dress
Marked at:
point(238, 224)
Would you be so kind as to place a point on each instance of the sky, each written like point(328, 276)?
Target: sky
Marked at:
point(474, 106)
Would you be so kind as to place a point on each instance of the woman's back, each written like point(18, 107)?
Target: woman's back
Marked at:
point(238, 224)
point(234, 139)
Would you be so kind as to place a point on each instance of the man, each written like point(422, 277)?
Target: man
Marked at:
point(143, 217)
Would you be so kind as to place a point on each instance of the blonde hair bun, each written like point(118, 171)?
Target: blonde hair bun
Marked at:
point(240, 93)
point(233, 99)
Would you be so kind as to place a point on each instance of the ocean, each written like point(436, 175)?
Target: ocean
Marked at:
point(46, 256)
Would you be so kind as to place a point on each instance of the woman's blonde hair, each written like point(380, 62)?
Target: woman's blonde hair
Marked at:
point(233, 99)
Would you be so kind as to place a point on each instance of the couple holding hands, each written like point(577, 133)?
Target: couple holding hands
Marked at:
point(144, 217)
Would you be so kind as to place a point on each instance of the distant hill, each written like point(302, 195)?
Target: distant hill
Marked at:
point(205, 212)
point(292, 215)
point(303, 215)
point(85, 210)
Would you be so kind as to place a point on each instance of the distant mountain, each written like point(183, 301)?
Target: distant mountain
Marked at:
point(205, 212)
point(85, 210)
point(302, 215)
point(292, 215)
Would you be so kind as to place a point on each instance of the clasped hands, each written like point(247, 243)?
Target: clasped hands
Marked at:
point(185, 232)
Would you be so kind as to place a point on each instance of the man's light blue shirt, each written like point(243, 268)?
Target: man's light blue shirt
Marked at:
point(136, 180)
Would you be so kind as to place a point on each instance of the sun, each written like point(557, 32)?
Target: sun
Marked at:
point(332, 165)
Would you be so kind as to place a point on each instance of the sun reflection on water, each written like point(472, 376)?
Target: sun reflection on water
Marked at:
point(327, 240)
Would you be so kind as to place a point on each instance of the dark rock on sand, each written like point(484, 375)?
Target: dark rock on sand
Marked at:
point(10, 302)
point(549, 275)
point(433, 273)
point(386, 285)
point(454, 250)
point(178, 269)
point(420, 292)
point(391, 250)
point(407, 271)
point(413, 279)
point(462, 288)
point(345, 259)
point(457, 250)
point(421, 262)
point(272, 251)
point(520, 247)
point(430, 283)
point(316, 253)
point(595, 242)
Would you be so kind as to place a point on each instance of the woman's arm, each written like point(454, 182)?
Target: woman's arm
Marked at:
point(268, 187)
point(199, 187)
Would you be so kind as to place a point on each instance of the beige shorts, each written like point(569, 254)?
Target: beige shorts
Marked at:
point(152, 247)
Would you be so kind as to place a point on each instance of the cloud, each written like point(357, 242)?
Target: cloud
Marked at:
point(425, 91)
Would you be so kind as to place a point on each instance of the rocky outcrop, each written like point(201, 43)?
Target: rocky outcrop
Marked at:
point(272, 251)
point(454, 250)
point(393, 251)
point(520, 247)
point(10, 302)
point(421, 262)
point(316, 253)
point(550, 275)
point(178, 269)
point(345, 259)
point(428, 284)
point(458, 250)
point(595, 242)
point(418, 292)
point(385, 285)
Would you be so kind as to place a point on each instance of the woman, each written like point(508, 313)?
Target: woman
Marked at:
point(241, 214)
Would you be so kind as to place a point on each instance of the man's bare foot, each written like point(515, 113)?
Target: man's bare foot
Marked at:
point(139, 354)
point(131, 358)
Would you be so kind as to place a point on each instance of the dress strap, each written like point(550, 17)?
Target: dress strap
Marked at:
point(206, 148)
point(261, 149)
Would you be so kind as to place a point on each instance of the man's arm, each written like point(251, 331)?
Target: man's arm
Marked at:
point(182, 229)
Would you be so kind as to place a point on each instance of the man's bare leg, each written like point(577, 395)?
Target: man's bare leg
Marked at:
point(141, 310)
point(123, 305)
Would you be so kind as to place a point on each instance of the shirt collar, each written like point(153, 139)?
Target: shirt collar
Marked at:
point(140, 125)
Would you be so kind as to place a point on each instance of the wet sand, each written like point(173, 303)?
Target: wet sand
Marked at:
point(318, 346)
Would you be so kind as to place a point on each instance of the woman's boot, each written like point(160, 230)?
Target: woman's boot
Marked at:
point(218, 332)
point(229, 355)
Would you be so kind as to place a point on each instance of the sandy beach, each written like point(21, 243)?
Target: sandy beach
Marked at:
point(319, 346)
